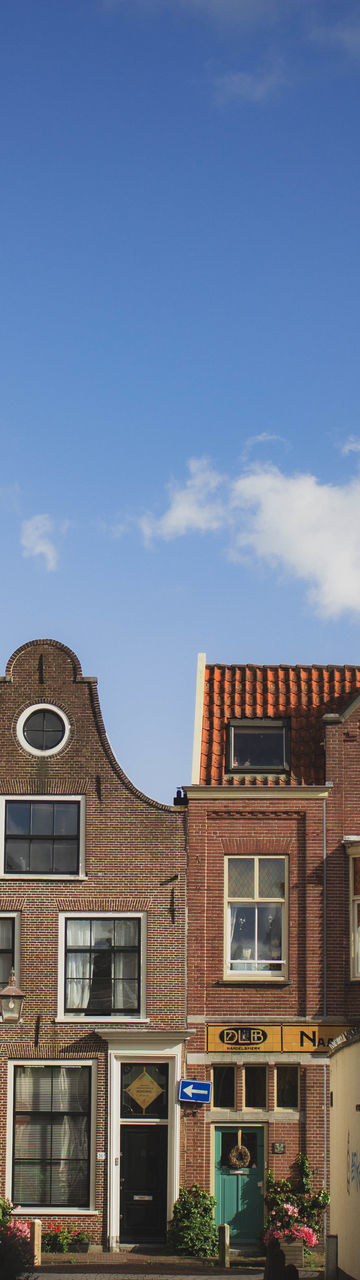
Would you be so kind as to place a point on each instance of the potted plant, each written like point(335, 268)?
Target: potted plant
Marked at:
point(295, 1212)
point(80, 1242)
point(62, 1239)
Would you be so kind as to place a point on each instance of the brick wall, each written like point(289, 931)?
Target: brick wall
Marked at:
point(134, 861)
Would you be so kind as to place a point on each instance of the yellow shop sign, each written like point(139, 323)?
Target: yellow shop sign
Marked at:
point(257, 1038)
point(309, 1039)
point(242, 1039)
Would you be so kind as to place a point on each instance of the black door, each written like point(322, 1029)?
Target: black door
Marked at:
point(143, 1183)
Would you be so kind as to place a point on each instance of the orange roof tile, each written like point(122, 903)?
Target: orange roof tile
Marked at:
point(303, 694)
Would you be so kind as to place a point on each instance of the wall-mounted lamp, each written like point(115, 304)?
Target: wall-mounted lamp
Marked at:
point(11, 1000)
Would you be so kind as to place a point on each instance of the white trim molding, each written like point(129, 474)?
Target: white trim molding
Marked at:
point(42, 799)
point(41, 1063)
point(79, 1015)
point(30, 711)
point(198, 718)
point(151, 1046)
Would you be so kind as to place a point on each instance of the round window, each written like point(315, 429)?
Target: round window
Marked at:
point(43, 730)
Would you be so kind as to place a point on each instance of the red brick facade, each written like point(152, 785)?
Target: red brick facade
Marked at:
point(306, 815)
point(132, 869)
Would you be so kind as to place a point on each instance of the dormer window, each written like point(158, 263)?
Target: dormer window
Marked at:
point(258, 746)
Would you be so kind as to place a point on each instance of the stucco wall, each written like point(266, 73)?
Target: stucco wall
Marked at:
point(345, 1157)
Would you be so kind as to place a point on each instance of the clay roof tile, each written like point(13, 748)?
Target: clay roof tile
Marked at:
point(301, 694)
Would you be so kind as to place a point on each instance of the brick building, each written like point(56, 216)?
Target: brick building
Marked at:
point(92, 916)
point(274, 921)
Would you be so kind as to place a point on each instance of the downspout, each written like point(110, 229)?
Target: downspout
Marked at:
point(324, 912)
point(325, 1068)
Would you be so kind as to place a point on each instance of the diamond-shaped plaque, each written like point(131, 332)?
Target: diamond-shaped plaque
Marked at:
point(144, 1090)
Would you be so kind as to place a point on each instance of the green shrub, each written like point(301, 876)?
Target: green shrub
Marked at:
point(192, 1228)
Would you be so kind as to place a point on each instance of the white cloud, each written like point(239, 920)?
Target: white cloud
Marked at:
point(254, 86)
point(265, 437)
point(193, 507)
point(310, 529)
point(352, 445)
point(293, 523)
point(340, 35)
point(36, 540)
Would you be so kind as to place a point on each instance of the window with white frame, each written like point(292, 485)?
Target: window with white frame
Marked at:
point(43, 730)
point(9, 946)
point(355, 914)
point(258, 746)
point(256, 925)
point(102, 960)
point(43, 836)
point(51, 1136)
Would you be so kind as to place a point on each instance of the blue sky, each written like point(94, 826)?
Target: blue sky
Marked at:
point(180, 389)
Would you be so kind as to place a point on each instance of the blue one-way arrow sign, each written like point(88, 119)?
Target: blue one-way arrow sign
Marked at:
point(194, 1091)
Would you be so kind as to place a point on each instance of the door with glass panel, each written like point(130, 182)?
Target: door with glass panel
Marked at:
point(239, 1193)
point(143, 1151)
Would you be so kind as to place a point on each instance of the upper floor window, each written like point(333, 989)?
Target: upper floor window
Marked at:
point(43, 837)
point(258, 746)
point(7, 948)
point(43, 729)
point(355, 914)
point(102, 965)
point(256, 920)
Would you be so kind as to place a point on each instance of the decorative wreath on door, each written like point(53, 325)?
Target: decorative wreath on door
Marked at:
point(239, 1157)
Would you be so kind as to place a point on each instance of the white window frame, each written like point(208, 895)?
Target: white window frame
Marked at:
point(354, 903)
point(153, 1046)
point(277, 1107)
point(79, 1015)
point(280, 974)
point(255, 728)
point(16, 916)
point(52, 1062)
point(29, 711)
point(17, 875)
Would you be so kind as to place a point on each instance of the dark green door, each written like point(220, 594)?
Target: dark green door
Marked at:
point(240, 1196)
point(143, 1182)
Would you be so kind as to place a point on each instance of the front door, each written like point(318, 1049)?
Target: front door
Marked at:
point(143, 1183)
point(143, 1151)
point(240, 1194)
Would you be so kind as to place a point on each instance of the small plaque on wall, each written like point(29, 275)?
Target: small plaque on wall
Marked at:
point(278, 1148)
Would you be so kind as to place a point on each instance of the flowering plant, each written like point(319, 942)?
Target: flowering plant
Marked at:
point(15, 1254)
point(57, 1239)
point(295, 1211)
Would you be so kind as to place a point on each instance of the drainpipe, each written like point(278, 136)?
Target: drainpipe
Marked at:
point(324, 912)
point(325, 1069)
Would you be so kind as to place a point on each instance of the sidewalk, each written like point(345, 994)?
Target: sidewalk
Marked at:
point(136, 1264)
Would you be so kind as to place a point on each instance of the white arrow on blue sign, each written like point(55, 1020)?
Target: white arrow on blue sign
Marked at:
point(194, 1090)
